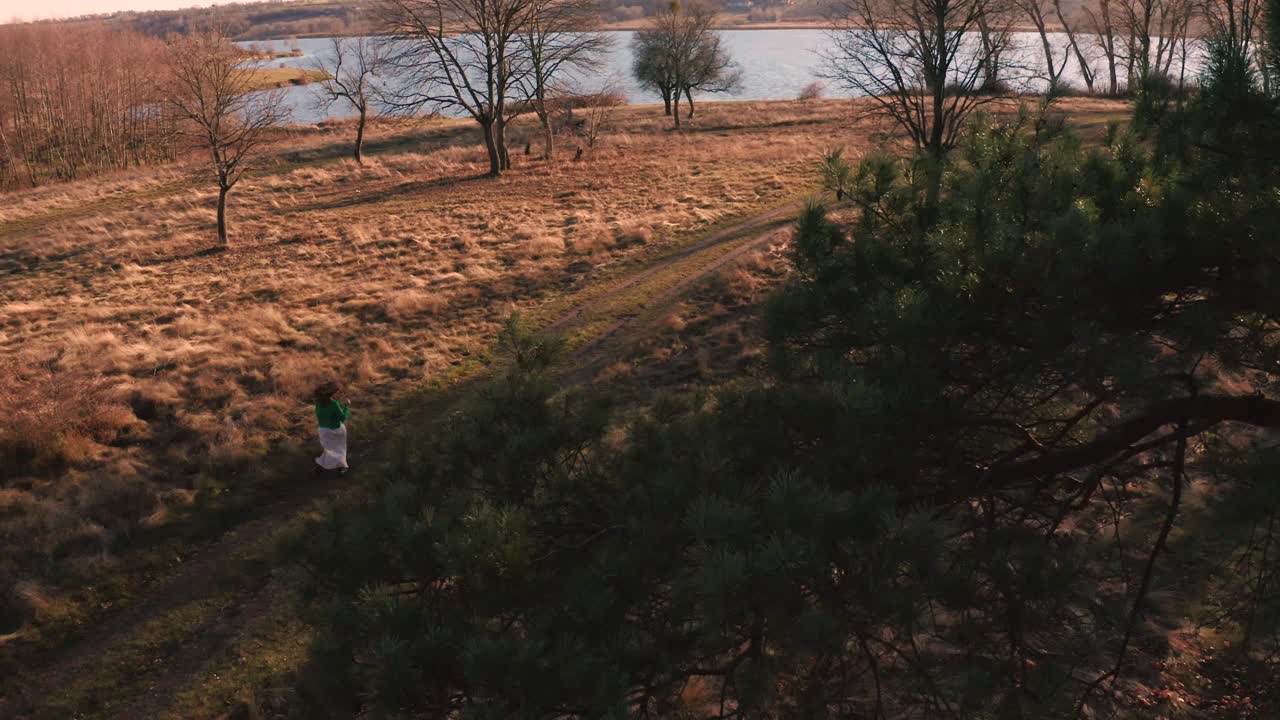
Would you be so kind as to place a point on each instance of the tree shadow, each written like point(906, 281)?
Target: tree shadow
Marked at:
point(407, 188)
point(729, 127)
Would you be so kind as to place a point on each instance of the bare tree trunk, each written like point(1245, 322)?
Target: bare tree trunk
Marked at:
point(360, 135)
point(936, 148)
point(222, 214)
point(666, 100)
point(688, 93)
point(1085, 71)
point(1113, 73)
point(939, 89)
point(1034, 11)
point(1054, 73)
point(501, 136)
point(990, 56)
point(491, 145)
point(548, 136)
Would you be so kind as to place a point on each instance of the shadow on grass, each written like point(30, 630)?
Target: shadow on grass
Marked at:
point(731, 127)
point(435, 138)
point(408, 188)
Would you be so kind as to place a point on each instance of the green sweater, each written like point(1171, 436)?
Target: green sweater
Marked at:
point(331, 414)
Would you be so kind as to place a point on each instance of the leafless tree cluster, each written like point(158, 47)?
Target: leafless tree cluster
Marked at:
point(490, 60)
point(75, 100)
point(1140, 39)
point(555, 46)
point(927, 64)
point(1156, 34)
point(1122, 32)
point(210, 90)
point(1039, 12)
point(680, 53)
point(1044, 14)
point(1242, 24)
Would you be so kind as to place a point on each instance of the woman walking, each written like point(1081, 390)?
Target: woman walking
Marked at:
point(332, 415)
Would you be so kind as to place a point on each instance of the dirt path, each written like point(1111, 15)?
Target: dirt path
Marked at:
point(167, 638)
point(40, 222)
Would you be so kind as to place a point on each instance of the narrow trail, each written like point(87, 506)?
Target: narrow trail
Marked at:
point(40, 222)
point(180, 626)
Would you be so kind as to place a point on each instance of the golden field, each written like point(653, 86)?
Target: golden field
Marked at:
point(146, 373)
point(143, 368)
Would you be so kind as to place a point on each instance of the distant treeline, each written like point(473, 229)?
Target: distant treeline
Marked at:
point(78, 99)
point(254, 21)
point(328, 18)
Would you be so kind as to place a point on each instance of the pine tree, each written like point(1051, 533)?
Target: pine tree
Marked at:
point(1004, 424)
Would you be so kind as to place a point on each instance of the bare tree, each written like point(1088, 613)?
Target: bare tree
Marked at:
point(459, 57)
point(598, 116)
point(1037, 11)
point(349, 77)
point(211, 90)
point(651, 64)
point(681, 52)
point(1240, 24)
point(1155, 29)
point(1087, 72)
point(995, 39)
point(76, 99)
point(1102, 24)
point(709, 68)
point(557, 41)
point(917, 61)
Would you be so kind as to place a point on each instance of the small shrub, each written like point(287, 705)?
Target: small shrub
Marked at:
point(813, 91)
point(995, 86)
point(406, 304)
point(674, 323)
point(53, 416)
point(835, 173)
point(1065, 88)
point(632, 235)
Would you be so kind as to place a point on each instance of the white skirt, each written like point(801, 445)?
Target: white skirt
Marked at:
point(334, 443)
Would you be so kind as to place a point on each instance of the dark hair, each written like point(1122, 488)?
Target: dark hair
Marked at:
point(326, 390)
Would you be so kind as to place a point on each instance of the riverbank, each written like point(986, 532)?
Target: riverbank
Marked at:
point(743, 21)
point(724, 22)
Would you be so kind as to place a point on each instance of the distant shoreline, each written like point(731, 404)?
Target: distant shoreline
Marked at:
point(642, 23)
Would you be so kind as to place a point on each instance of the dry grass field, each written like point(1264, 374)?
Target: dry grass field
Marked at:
point(142, 370)
point(145, 373)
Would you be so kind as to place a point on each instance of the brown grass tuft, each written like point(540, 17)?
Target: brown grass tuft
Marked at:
point(297, 377)
point(408, 304)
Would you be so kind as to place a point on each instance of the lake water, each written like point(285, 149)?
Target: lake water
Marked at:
point(775, 64)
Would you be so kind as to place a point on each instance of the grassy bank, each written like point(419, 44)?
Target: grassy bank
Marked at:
point(269, 78)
